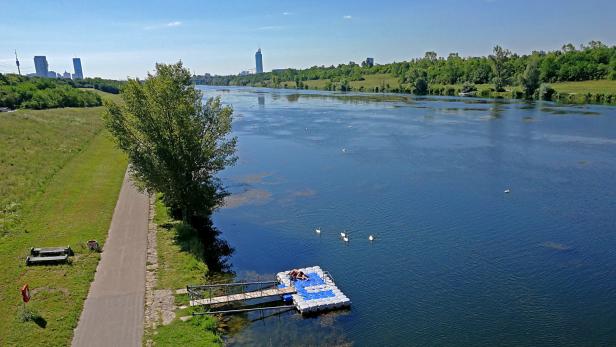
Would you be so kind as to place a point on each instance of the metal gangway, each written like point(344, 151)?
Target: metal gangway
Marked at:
point(226, 293)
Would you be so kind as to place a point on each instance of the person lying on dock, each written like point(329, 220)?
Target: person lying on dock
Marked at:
point(297, 275)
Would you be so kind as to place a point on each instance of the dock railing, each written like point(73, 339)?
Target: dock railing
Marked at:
point(237, 290)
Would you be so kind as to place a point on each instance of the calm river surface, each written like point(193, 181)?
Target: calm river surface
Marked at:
point(456, 262)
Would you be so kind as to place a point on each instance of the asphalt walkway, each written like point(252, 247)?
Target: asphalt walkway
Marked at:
point(113, 311)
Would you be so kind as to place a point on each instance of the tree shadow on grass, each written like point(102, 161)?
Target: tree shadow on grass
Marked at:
point(40, 321)
point(29, 315)
point(201, 239)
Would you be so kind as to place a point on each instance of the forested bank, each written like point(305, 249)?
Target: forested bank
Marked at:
point(43, 93)
point(501, 74)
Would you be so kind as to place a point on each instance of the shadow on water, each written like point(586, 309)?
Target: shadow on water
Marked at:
point(346, 97)
point(216, 251)
point(286, 328)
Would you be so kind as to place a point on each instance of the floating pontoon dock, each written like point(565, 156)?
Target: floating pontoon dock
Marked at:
point(317, 293)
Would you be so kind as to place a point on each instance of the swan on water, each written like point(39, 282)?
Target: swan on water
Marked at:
point(507, 191)
point(317, 230)
point(371, 238)
point(345, 238)
point(343, 234)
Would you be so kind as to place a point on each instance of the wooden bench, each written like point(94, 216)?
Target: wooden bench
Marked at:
point(47, 251)
point(49, 259)
point(42, 255)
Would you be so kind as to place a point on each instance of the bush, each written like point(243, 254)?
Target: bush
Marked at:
point(421, 87)
point(450, 91)
point(43, 93)
point(468, 87)
point(517, 94)
point(486, 93)
point(546, 92)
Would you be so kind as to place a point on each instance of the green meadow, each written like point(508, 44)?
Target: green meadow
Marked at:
point(61, 175)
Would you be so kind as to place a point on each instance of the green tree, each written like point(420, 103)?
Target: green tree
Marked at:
point(174, 142)
point(530, 79)
point(499, 58)
point(421, 86)
point(431, 56)
point(612, 68)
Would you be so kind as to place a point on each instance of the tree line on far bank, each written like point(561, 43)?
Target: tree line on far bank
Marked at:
point(43, 93)
point(594, 61)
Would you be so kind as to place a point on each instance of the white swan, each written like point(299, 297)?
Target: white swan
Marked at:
point(507, 191)
point(345, 239)
point(343, 234)
point(371, 238)
point(317, 230)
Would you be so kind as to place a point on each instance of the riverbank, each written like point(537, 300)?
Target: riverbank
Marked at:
point(582, 92)
point(175, 260)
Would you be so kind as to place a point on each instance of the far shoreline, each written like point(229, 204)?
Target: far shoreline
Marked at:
point(570, 99)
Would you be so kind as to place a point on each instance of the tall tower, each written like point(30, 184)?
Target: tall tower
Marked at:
point(41, 66)
point(17, 62)
point(259, 59)
point(77, 67)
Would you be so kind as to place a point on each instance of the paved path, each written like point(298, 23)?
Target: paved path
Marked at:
point(113, 312)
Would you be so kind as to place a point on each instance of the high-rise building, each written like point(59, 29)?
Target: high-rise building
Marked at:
point(369, 62)
point(259, 59)
point(66, 75)
point(41, 66)
point(77, 66)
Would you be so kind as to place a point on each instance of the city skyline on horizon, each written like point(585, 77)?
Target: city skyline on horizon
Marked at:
point(221, 38)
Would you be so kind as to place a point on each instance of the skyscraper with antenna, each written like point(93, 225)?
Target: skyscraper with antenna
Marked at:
point(17, 63)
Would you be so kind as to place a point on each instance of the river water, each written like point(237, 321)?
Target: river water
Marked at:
point(456, 260)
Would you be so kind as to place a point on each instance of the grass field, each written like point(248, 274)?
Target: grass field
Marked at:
point(377, 80)
point(61, 175)
point(369, 82)
point(108, 96)
point(390, 82)
point(583, 87)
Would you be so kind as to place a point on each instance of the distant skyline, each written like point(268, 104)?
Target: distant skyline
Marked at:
point(118, 39)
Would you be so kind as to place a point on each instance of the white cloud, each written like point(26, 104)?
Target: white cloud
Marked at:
point(348, 16)
point(286, 13)
point(160, 26)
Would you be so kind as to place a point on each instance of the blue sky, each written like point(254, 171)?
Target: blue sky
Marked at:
point(116, 39)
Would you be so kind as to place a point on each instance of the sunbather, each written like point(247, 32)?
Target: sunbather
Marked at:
point(297, 275)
